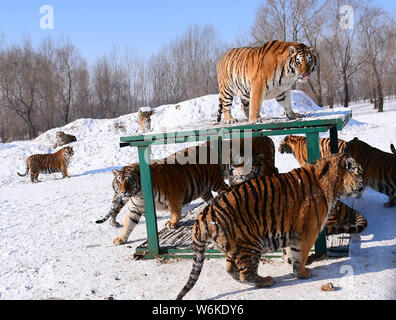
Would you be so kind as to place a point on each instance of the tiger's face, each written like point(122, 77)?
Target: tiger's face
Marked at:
point(353, 185)
point(302, 62)
point(241, 171)
point(284, 146)
point(67, 152)
point(128, 183)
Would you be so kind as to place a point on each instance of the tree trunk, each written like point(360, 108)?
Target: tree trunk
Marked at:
point(346, 91)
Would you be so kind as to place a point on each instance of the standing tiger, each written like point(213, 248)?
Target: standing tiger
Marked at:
point(262, 160)
point(261, 73)
point(62, 139)
point(48, 163)
point(271, 212)
point(297, 146)
point(379, 168)
point(343, 219)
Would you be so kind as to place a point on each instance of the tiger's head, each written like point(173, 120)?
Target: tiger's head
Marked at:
point(67, 152)
point(285, 146)
point(60, 135)
point(245, 169)
point(340, 173)
point(302, 61)
point(353, 177)
point(126, 182)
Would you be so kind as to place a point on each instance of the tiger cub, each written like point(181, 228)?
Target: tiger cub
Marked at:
point(48, 163)
point(62, 139)
point(379, 168)
point(257, 74)
point(260, 153)
point(343, 219)
point(271, 212)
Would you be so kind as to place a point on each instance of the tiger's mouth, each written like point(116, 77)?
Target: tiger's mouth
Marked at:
point(304, 77)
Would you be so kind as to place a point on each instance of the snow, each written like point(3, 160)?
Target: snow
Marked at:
point(50, 246)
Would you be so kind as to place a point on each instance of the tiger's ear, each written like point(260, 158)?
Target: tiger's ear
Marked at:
point(115, 172)
point(350, 164)
point(292, 49)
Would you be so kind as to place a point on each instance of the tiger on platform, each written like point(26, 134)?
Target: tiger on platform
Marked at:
point(261, 73)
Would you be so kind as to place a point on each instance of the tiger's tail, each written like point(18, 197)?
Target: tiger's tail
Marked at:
point(393, 149)
point(220, 111)
point(26, 172)
point(105, 218)
point(358, 223)
point(199, 242)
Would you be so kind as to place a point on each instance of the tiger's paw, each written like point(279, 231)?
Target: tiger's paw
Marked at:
point(115, 224)
point(231, 121)
point(265, 282)
point(256, 120)
point(307, 273)
point(119, 241)
point(294, 116)
point(171, 225)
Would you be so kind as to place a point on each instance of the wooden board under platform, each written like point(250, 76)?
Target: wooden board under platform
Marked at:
point(178, 242)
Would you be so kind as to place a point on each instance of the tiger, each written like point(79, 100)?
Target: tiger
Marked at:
point(48, 163)
point(263, 162)
point(145, 119)
point(379, 168)
point(343, 219)
point(62, 139)
point(297, 146)
point(255, 74)
point(267, 213)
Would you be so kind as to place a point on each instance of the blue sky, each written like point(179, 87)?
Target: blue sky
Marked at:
point(95, 27)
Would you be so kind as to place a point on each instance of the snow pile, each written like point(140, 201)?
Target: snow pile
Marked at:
point(51, 247)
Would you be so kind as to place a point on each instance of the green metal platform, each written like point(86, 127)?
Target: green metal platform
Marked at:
point(311, 125)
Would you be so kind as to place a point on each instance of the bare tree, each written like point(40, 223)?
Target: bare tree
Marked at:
point(18, 83)
point(374, 30)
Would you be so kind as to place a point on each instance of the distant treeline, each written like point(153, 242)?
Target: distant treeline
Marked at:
point(51, 84)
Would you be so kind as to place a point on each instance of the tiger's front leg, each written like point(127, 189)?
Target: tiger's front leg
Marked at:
point(285, 101)
point(134, 213)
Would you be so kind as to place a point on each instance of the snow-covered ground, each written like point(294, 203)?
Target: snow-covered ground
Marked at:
point(50, 246)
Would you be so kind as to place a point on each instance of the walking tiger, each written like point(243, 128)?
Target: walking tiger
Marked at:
point(271, 212)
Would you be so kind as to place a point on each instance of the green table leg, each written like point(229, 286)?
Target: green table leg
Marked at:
point(313, 153)
point(334, 140)
point(148, 197)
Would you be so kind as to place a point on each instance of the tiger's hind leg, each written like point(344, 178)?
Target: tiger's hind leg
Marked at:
point(245, 106)
point(247, 265)
point(175, 210)
point(225, 104)
point(34, 175)
point(299, 252)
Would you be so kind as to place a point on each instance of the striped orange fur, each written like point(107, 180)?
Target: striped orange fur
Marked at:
point(177, 183)
point(48, 163)
point(379, 168)
point(343, 219)
point(297, 146)
point(271, 212)
point(255, 74)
